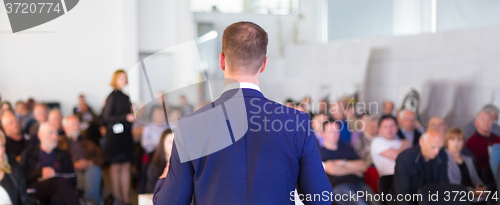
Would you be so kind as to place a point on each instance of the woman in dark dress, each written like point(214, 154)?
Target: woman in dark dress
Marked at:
point(118, 116)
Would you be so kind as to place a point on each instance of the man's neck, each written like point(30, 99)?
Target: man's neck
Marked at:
point(244, 78)
point(74, 138)
point(407, 130)
point(16, 137)
point(388, 138)
point(484, 134)
point(46, 149)
point(331, 146)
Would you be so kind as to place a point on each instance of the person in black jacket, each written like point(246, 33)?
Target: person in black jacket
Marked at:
point(119, 145)
point(407, 129)
point(421, 165)
point(12, 182)
point(49, 170)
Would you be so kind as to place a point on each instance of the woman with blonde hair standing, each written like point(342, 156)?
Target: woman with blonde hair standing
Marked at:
point(118, 149)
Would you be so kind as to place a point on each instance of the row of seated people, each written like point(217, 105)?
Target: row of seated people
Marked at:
point(55, 166)
point(405, 165)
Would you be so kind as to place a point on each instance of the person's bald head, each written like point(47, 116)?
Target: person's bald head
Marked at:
point(387, 107)
point(483, 123)
point(47, 134)
point(71, 126)
point(431, 143)
point(438, 123)
point(10, 124)
point(40, 113)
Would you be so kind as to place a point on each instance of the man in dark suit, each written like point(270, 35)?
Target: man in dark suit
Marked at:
point(44, 166)
point(421, 165)
point(275, 154)
point(407, 130)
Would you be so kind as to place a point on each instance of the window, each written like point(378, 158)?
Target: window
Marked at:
point(275, 7)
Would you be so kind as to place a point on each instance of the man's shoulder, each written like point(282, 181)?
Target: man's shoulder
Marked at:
point(495, 137)
point(409, 155)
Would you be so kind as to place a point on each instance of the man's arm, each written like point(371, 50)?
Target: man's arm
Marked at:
point(312, 177)
point(177, 187)
point(393, 153)
point(402, 179)
point(335, 168)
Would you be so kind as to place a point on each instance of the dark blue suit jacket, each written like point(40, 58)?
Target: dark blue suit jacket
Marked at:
point(263, 167)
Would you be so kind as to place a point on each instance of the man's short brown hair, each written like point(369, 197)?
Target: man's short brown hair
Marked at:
point(244, 44)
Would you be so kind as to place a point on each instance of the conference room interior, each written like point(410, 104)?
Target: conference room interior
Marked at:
point(377, 78)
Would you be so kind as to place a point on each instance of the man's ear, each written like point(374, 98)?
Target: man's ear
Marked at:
point(264, 65)
point(222, 61)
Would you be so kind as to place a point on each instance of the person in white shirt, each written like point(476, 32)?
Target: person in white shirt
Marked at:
point(386, 147)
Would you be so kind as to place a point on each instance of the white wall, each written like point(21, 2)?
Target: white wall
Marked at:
point(456, 72)
point(75, 53)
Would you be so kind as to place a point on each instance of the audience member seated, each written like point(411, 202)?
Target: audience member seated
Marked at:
point(478, 143)
point(420, 166)
point(24, 117)
point(87, 159)
point(362, 144)
point(84, 113)
point(55, 119)
point(151, 133)
point(461, 168)
point(317, 126)
point(491, 109)
point(323, 106)
point(407, 129)
point(79, 108)
point(387, 108)
point(289, 103)
point(15, 143)
point(6, 106)
point(12, 184)
point(437, 123)
point(186, 108)
point(343, 166)
point(160, 160)
point(386, 147)
point(48, 170)
point(40, 113)
point(337, 112)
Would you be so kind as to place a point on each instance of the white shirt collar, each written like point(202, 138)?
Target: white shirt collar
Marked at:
point(241, 85)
